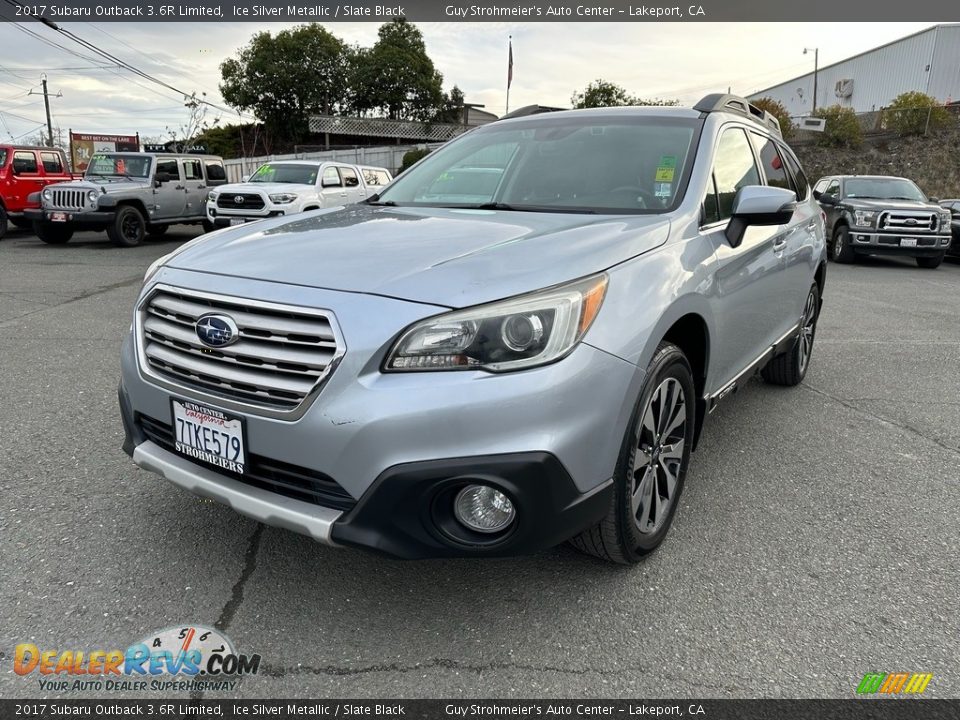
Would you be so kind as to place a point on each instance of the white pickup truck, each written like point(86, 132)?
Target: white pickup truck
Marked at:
point(287, 187)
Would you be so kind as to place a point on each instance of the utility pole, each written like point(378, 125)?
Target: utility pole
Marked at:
point(46, 103)
point(816, 71)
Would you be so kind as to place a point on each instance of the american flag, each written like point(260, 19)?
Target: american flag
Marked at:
point(510, 66)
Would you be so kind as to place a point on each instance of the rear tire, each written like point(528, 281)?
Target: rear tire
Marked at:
point(841, 249)
point(652, 465)
point(790, 368)
point(52, 234)
point(930, 263)
point(3, 222)
point(128, 228)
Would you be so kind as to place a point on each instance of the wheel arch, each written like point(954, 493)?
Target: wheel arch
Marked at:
point(691, 334)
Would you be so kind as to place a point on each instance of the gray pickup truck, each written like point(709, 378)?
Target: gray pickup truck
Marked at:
point(130, 195)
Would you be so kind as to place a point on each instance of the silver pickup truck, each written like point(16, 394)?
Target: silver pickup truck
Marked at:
point(130, 195)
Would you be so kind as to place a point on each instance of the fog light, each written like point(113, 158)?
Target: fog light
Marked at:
point(483, 509)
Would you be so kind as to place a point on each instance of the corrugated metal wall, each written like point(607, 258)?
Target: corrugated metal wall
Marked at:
point(928, 61)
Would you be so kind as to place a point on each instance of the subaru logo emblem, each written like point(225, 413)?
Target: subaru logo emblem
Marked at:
point(238, 199)
point(217, 330)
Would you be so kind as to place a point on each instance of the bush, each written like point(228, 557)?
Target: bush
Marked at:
point(412, 156)
point(842, 128)
point(915, 113)
point(776, 108)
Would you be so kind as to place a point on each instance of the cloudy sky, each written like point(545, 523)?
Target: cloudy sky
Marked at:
point(551, 61)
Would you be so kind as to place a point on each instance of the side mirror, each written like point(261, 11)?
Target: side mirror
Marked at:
point(933, 199)
point(245, 178)
point(329, 183)
point(759, 205)
point(160, 178)
point(828, 199)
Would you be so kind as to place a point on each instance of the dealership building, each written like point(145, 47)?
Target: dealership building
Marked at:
point(927, 61)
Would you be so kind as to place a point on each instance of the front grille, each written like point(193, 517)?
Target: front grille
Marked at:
point(68, 199)
point(908, 221)
point(240, 201)
point(283, 353)
point(282, 478)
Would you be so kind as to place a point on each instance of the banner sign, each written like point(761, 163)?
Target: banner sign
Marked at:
point(84, 145)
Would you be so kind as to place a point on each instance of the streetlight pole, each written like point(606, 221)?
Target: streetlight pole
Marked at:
point(816, 68)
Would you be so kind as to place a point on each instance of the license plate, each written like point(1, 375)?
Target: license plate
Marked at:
point(237, 221)
point(908, 242)
point(208, 435)
point(58, 217)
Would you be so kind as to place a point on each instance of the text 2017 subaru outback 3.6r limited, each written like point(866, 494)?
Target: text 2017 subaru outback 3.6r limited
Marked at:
point(514, 345)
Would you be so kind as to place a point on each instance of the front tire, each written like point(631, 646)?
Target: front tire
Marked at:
point(790, 368)
point(128, 228)
point(930, 263)
point(52, 234)
point(3, 221)
point(841, 249)
point(652, 466)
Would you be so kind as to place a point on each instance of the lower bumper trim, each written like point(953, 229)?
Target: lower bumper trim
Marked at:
point(267, 507)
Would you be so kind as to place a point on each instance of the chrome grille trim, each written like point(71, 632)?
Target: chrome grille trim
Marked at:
point(908, 221)
point(64, 199)
point(280, 363)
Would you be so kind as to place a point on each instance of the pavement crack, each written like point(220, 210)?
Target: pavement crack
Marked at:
point(82, 296)
point(434, 663)
point(882, 420)
point(236, 595)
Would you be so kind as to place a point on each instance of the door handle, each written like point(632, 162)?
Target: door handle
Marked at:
point(812, 225)
point(779, 244)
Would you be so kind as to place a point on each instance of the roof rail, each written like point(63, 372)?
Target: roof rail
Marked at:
point(530, 110)
point(722, 102)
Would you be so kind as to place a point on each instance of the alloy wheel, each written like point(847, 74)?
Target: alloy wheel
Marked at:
point(807, 328)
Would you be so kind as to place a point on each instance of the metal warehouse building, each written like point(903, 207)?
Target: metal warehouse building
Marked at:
point(928, 61)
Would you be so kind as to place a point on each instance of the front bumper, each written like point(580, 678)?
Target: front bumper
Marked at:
point(400, 445)
point(72, 218)
point(891, 243)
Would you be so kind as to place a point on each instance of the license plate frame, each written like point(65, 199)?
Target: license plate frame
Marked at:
point(59, 217)
point(217, 421)
point(908, 242)
point(237, 221)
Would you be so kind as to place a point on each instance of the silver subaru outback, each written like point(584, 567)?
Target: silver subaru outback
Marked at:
point(514, 345)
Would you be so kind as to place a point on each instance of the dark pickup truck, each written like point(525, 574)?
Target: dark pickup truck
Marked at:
point(23, 172)
point(882, 215)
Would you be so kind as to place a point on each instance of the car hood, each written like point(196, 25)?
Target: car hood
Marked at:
point(448, 257)
point(264, 187)
point(870, 204)
point(106, 185)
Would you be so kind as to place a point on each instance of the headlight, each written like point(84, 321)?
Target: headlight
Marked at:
point(47, 194)
point(945, 219)
point(282, 198)
point(513, 334)
point(864, 218)
point(92, 196)
point(212, 196)
point(156, 265)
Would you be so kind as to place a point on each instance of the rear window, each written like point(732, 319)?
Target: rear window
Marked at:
point(215, 170)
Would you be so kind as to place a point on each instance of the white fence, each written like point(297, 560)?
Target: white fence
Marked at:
point(389, 156)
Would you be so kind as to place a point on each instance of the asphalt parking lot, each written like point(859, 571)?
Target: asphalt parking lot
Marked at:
point(817, 538)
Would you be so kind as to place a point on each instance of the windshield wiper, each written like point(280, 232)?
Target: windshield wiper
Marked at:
point(381, 203)
point(901, 197)
point(533, 208)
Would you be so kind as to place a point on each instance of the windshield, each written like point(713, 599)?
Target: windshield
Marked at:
point(299, 174)
point(884, 188)
point(126, 165)
point(567, 163)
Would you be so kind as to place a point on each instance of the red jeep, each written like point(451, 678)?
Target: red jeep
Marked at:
point(23, 171)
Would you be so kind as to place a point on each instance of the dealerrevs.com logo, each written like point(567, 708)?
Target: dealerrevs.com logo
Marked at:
point(189, 658)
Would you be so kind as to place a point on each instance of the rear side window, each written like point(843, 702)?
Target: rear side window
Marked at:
point(51, 162)
point(799, 177)
point(349, 176)
point(733, 168)
point(772, 163)
point(375, 177)
point(24, 162)
point(215, 170)
point(192, 170)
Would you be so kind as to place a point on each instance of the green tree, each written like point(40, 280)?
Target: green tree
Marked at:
point(842, 128)
point(915, 113)
point(284, 78)
point(776, 108)
point(396, 78)
point(412, 156)
point(601, 93)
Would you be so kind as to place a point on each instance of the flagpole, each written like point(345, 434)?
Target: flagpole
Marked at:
point(509, 73)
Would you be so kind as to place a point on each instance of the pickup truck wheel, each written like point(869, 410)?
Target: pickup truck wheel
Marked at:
point(157, 230)
point(930, 263)
point(841, 249)
point(208, 226)
point(128, 228)
point(789, 368)
point(652, 465)
point(3, 222)
point(52, 234)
